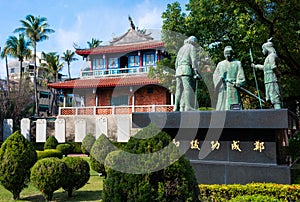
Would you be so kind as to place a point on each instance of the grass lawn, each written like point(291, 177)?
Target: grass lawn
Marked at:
point(90, 192)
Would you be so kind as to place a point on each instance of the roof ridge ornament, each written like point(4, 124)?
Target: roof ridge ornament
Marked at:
point(132, 26)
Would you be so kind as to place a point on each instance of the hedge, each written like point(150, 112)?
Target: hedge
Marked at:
point(49, 153)
point(226, 192)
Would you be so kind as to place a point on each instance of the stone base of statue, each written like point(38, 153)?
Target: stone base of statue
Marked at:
point(226, 147)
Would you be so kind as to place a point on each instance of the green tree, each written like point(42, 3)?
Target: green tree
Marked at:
point(174, 179)
point(68, 57)
point(37, 30)
point(18, 48)
point(78, 174)
point(94, 43)
point(48, 175)
point(51, 143)
point(51, 68)
point(17, 156)
point(243, 25)
point(87, 143)
point(4, 54)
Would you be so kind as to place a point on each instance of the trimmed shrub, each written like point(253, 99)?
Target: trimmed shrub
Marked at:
point(254, 198)
point(97, 166)
point(17, 156)
point(224, 193)
point(75, 147)
point(87, 143)
point(49, 153)
point(64, 148)
point(51, 143)
point(78, 174)
point(38, 145)
point(47, 175)
point(99, 151)
point(161, 173)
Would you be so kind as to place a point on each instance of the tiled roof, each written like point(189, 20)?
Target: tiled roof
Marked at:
point(122, 48)
point(104, 82)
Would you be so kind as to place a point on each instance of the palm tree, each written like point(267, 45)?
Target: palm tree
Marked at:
point(68, 57)
point(18, 48)
point(36, 29)
point(94, 43)
point(51, 69)
point(4, 54)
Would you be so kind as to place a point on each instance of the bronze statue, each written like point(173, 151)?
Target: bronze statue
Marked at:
point(228, 77)
point(186, 66)
point(271, 74)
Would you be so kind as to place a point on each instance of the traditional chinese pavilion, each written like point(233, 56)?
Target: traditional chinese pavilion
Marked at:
point(114, 78)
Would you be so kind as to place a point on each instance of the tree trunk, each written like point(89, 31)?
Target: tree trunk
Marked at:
point(69, 70)
point(7, 78)
point(34, 82)
point(70, 193)
point(16, 196)
point(20, 82)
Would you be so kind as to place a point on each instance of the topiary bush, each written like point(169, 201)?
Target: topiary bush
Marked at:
point(99, 151)
point(78, 174)
point(47, 175)
point(65, 149)
point(51, 143)
point(87, 143)
point(17, 156)
point(49, 153)
point(75, 147)
point(149, 168)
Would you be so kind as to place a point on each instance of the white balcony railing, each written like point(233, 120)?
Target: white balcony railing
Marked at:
point(110, 110)
point(114, 72)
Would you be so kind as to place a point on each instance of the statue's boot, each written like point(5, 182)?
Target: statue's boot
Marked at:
point(277, 106)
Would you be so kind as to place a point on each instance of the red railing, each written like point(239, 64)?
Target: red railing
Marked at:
point(106, 110)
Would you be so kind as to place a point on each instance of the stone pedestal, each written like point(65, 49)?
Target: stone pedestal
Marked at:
point(41, 130)
point(7, 128)
point(60, 130)
point(25, 128)
point(226, 147)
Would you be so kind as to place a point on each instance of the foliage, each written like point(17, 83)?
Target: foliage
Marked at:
point(48, 175)
point(227, 192)
point(68, 57)
point(19, 48)
point(75, 147)
point(101, 148)
point(94, 43)
point(243, 25)
point(51, 143)
point(65, 149)
point(37, 30)
point(97, 166)
point(17, 156)
point(254, 198)
point(49, 153)
point(172, 179)
point(78, 174)
point(87, 143)
point(294, 146)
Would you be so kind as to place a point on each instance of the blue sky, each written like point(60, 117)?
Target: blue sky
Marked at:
point(80, 20)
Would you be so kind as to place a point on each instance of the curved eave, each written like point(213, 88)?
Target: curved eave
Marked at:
point(121, 48)
point(104, 82)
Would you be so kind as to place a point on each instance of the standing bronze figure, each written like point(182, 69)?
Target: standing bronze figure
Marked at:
point(271, 74)
point(186, 70)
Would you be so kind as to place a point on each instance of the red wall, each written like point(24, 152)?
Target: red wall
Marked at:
point(146, 95)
